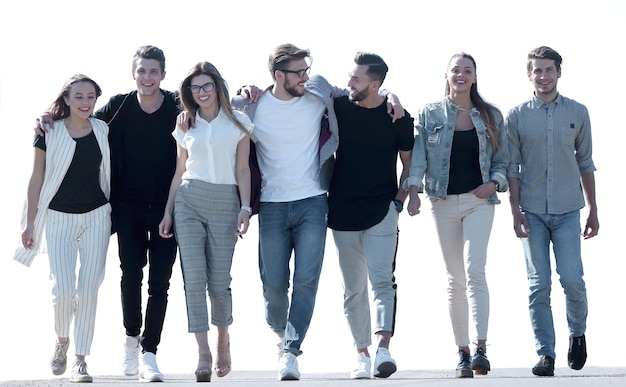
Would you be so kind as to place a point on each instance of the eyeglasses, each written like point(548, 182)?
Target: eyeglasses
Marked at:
point(195, 89)
point(300, 73)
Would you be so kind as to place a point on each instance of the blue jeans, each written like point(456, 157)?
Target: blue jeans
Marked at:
point(298, 226)
point(564, 233)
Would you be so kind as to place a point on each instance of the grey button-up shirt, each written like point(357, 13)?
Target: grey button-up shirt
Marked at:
point(550, 148)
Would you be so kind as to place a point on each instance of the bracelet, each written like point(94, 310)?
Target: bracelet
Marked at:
point(248, 209)
point(496, 183)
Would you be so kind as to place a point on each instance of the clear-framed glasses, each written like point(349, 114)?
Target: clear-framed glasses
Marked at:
point(300, 73)
point(195, 89)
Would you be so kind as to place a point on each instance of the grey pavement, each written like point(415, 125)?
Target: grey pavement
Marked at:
point(588, 377)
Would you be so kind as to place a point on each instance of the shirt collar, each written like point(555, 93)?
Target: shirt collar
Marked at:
point(219, 114)
point(539, 103)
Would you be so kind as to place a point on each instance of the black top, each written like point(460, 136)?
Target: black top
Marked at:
point(80, 190)
point(464, 164)
point(365, 176)
point(143, 151)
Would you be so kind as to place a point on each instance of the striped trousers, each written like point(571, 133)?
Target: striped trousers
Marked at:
point(70, 237)
point(205, 222)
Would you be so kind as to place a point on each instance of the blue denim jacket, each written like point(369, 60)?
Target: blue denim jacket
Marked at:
point(433, 144)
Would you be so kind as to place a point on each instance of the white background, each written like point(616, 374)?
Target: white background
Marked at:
point(44, 43)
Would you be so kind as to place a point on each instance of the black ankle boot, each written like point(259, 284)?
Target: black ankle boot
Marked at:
point(480, 363)
point(464, 368)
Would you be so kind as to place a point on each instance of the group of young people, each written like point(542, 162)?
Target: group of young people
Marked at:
point(187, 170)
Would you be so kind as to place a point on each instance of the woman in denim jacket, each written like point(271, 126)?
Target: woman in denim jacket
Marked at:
point(460, 152)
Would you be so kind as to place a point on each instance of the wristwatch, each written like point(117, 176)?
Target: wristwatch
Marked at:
point(247, 209)
point(399, 205)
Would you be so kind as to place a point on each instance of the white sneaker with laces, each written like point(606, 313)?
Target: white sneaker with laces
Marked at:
point(384, 365)
point(363, 367)
point(149, 370)
point(288, 367)
point(79, 373)
point(131, 355)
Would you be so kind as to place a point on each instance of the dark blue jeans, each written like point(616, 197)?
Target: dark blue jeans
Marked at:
point(139, 243)
point(299, 227)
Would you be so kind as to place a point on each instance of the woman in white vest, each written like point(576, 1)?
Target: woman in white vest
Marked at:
point(68, 202)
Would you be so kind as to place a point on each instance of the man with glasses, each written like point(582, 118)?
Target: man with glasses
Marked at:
point(297, 134)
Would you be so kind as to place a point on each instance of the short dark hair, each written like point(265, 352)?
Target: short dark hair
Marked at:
point(149, 52)
point(544, 52)
point(377, 68)
point(281, 56)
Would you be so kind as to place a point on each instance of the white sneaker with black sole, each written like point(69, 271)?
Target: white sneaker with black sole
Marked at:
point(384, 365)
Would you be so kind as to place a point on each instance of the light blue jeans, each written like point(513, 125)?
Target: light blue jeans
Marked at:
point(564, 233)
point(299, 227)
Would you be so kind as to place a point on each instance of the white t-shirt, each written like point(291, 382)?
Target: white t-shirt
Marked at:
point(287, 149)
point(212, 148)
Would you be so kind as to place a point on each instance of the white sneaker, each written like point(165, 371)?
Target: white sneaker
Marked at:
point(148, 370)
point(384, 365)
point(79, 373)
point(363, 367)
point(288, 367)
point(131, 356)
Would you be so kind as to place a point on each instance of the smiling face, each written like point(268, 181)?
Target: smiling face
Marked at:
point(148, 76)
point(81, 99)
point(294, 84)
point(544, 76)
point(461, 75)
point(359, 83)
point(206, 100)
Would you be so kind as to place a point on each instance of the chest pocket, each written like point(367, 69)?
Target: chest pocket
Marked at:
point(433, 134)
point(568, 134)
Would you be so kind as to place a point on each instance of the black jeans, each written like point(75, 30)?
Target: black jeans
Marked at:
point(139, 244)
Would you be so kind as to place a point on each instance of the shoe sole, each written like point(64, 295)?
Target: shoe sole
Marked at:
point(289, 377)
point(464, 374)
point(81, 380)
point(543, 373)
point(385, 370)
point(154, 379)
point(481, 368)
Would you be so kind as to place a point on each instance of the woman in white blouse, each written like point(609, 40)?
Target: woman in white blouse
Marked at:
point(209, 207)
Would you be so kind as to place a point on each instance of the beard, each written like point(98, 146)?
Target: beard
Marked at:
point(292, 89)
point(360, 95)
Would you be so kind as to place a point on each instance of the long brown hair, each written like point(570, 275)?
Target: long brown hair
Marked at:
point(59, 109)
point(223, 99)
point(484, 108)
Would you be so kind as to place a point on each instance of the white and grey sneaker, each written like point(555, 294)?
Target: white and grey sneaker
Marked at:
point(288, 367)
point(79, 373)
point(131, 355)
point(148, 369)
point(384, 365)
point(58, 364)
point(363, 367)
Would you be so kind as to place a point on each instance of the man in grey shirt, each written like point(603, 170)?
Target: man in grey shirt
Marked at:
point(550, 146)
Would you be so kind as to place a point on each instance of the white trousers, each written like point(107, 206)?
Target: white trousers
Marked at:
point(464, 225)
point(70, 236)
